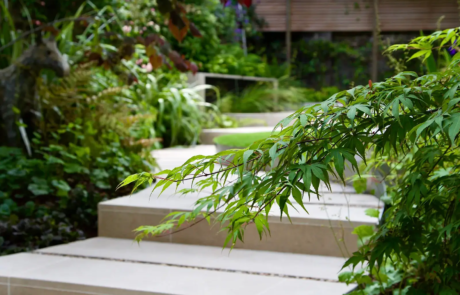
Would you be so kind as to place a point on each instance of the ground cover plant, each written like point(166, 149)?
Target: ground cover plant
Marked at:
point(411, 124)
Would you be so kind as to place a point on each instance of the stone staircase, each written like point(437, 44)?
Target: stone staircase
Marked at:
point(304, 257)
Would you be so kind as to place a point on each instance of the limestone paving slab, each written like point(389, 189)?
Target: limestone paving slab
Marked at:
point(320, 231)
point(94, 276)
point(347, 199)
point(259, 119)
point(345, 207)
point(328, 223)
point(282, 264)
point(170, 158)
point(16, 264)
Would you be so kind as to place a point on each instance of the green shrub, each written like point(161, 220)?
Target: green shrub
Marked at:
point(85, 143)
point(312, 95)
point(52, 198)
point(263, 98)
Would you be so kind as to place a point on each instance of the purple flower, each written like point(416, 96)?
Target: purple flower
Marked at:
point(237, 34)
point(452, 50)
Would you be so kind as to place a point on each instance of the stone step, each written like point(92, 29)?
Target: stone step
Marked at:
point(259, 119)
point(324, 230)
point(115, 266)
point(170, 158)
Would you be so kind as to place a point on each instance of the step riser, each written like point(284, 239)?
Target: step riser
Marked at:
point(285, 237)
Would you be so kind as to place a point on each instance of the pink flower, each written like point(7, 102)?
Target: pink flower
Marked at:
point(127, 29)
point(147, 67)
point(139, 61)
point(150, 23)
point(42, 3)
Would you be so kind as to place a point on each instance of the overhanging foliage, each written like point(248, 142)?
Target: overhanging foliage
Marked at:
point(411, 120)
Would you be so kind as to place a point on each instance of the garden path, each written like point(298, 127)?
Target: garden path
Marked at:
point(299, 258)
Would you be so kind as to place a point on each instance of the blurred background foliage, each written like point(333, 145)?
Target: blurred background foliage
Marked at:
point(128, 94)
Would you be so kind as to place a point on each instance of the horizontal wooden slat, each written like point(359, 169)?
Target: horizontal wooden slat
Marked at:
point(357, 15)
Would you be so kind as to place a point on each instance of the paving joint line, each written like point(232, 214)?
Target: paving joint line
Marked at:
point(188, 266)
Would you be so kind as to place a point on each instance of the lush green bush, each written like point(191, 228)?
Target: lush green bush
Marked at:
point(52, 198)
point(316, 60)
point(232, 60)
point(220, 50)
point(408, 121)
point(181, 112)
point(86, 143)
point(312, 95)
point(263, 98)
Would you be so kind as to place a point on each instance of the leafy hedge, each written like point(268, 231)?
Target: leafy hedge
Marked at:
point(52, 198)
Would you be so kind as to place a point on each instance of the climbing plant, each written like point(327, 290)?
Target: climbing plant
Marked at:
point(408, 118)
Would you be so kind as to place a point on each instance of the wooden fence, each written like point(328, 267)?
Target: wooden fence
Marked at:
point(358, 15)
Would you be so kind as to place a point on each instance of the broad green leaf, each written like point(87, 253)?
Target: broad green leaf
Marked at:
point(420, 53)
point(298, 197)
point(345, 276)
point(451, 92)
point(453, 102)
point(318, 172)
point(364, 109)
point(129, 180)
point(454, 128)
point(283, 198)
point(307, 178)
point(246, 156)
point(339, 164)
point(424, 126)
point(360, 185)
point(351, 113)
point(303, 119)
point(354, 260)
point(372, 212)
point(363, 231)
point(273, 152)
point(449, 36)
